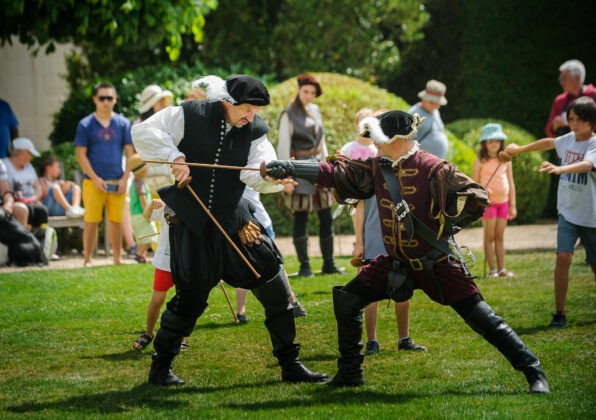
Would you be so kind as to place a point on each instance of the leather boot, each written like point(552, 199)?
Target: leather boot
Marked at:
point(301, 245)
point(329, 266)
point(483, 319)
point(348, 313)
point(279, 320)
point(167, 345)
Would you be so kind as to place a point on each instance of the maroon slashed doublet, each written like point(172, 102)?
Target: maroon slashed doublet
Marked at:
point(426, 184)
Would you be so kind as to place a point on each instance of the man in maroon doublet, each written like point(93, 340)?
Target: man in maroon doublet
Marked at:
point(416, 230)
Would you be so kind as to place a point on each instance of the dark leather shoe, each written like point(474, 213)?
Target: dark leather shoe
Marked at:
point(161, 373)
point(537, 380)
point(331, 268)
point(297, 372)
point(305, 270)
point(341, 380)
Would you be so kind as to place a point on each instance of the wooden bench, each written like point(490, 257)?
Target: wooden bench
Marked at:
point(65, 222)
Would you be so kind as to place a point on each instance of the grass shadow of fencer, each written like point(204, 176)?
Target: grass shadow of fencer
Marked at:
point(118, 357)
point(319, 357)
point(214, 325)
point(144, 396)
point(531, 330)
point(329, 395)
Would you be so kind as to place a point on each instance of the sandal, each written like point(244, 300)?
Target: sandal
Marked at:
point(493, 274)
point(142, 342)
point(505, 273)
point(184, 346)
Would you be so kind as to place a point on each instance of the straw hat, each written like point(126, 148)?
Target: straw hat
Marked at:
point(135, 163)
point(434, 92)
point(151, 95)
point(492, 131)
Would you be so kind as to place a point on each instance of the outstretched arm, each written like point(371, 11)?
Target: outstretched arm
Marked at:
point(514, 150)
point(572, 168)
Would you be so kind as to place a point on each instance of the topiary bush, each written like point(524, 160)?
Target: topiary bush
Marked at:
point(343, 97)
point(531, 186)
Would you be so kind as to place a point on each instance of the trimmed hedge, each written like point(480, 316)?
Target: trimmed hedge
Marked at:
point(344, 96)
point(531, 186)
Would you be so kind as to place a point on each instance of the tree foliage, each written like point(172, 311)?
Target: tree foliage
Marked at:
point(129, 24)
point(353, 37)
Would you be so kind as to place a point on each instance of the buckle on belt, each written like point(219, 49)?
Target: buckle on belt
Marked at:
point(416, 264)
point(401, 210)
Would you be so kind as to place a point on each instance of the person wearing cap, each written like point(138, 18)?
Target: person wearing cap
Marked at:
point(571, 78)
point(224, 130)
point(420, 199)
point(100, 140)
point(139, 198)
point(431, 135)
point(24, 184)
point(301, 136)
point(497, 178)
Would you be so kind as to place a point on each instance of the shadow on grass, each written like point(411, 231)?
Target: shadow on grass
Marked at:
point(545, 327)
point(319, 357)
point(151, 397)
point(144, 396)
point(118, 357)
point(214, 325)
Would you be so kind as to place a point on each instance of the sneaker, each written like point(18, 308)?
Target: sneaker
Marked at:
point(372, 347)
point(242, 319)
point(75, 212)
point(408, 344)
point(299, 311)
point(131, 252)
point(559, 320)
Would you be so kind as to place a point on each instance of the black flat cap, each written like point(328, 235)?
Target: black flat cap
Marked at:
point(247, 90)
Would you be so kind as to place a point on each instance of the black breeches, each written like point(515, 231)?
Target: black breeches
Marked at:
point(198, 262)
point(325, 223)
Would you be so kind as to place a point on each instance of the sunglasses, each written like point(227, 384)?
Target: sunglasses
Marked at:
point(105, 98)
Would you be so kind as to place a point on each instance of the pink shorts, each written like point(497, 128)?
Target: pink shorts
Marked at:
point(162, 282)
point(499, 210)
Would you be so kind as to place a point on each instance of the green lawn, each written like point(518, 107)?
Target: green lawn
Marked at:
point(65, 351)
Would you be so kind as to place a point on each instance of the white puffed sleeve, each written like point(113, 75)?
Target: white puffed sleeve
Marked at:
point(260, 150)
point(157, 137)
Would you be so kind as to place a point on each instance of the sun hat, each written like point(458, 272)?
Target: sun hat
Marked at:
point(23, 143)
point(390, 126)
point(434, 92)
point(151, 95)
point(492, 131)
point(307, 79)
point(135, 163)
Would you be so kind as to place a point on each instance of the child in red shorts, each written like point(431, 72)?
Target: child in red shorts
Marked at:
point(163, 277)
point(497, 178)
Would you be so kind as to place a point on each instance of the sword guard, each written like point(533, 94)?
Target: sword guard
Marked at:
point(184, 183)
point(263, 169)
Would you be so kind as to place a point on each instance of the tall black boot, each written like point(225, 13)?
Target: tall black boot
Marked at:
point(167, 345)
point(279, 320)
point(348, 313)
point(329, 266)
point(301, 245)
point(483, 319)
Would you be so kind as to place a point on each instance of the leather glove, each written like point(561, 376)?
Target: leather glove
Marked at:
point(280, 169)
point(250, 234)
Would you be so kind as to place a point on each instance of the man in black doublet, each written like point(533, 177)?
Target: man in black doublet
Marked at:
point(222, 131)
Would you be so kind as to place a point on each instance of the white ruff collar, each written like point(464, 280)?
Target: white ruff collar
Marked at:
point(413, 150)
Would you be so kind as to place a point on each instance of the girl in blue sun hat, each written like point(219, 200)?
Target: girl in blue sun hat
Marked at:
point(497, 178)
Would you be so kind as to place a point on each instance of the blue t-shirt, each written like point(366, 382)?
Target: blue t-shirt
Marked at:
point(104, 145)
point(7, 122)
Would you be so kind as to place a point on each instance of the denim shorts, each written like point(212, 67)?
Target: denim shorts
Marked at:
point(567, 234)
point(54, 208)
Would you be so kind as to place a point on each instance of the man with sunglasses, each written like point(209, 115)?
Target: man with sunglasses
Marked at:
point(100, 139)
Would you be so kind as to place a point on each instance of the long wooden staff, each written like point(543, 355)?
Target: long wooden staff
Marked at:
point(229, 303)
point(186, 183)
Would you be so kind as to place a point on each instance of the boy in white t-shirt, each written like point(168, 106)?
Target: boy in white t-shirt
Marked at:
point(576, 197)
point(162, 282)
